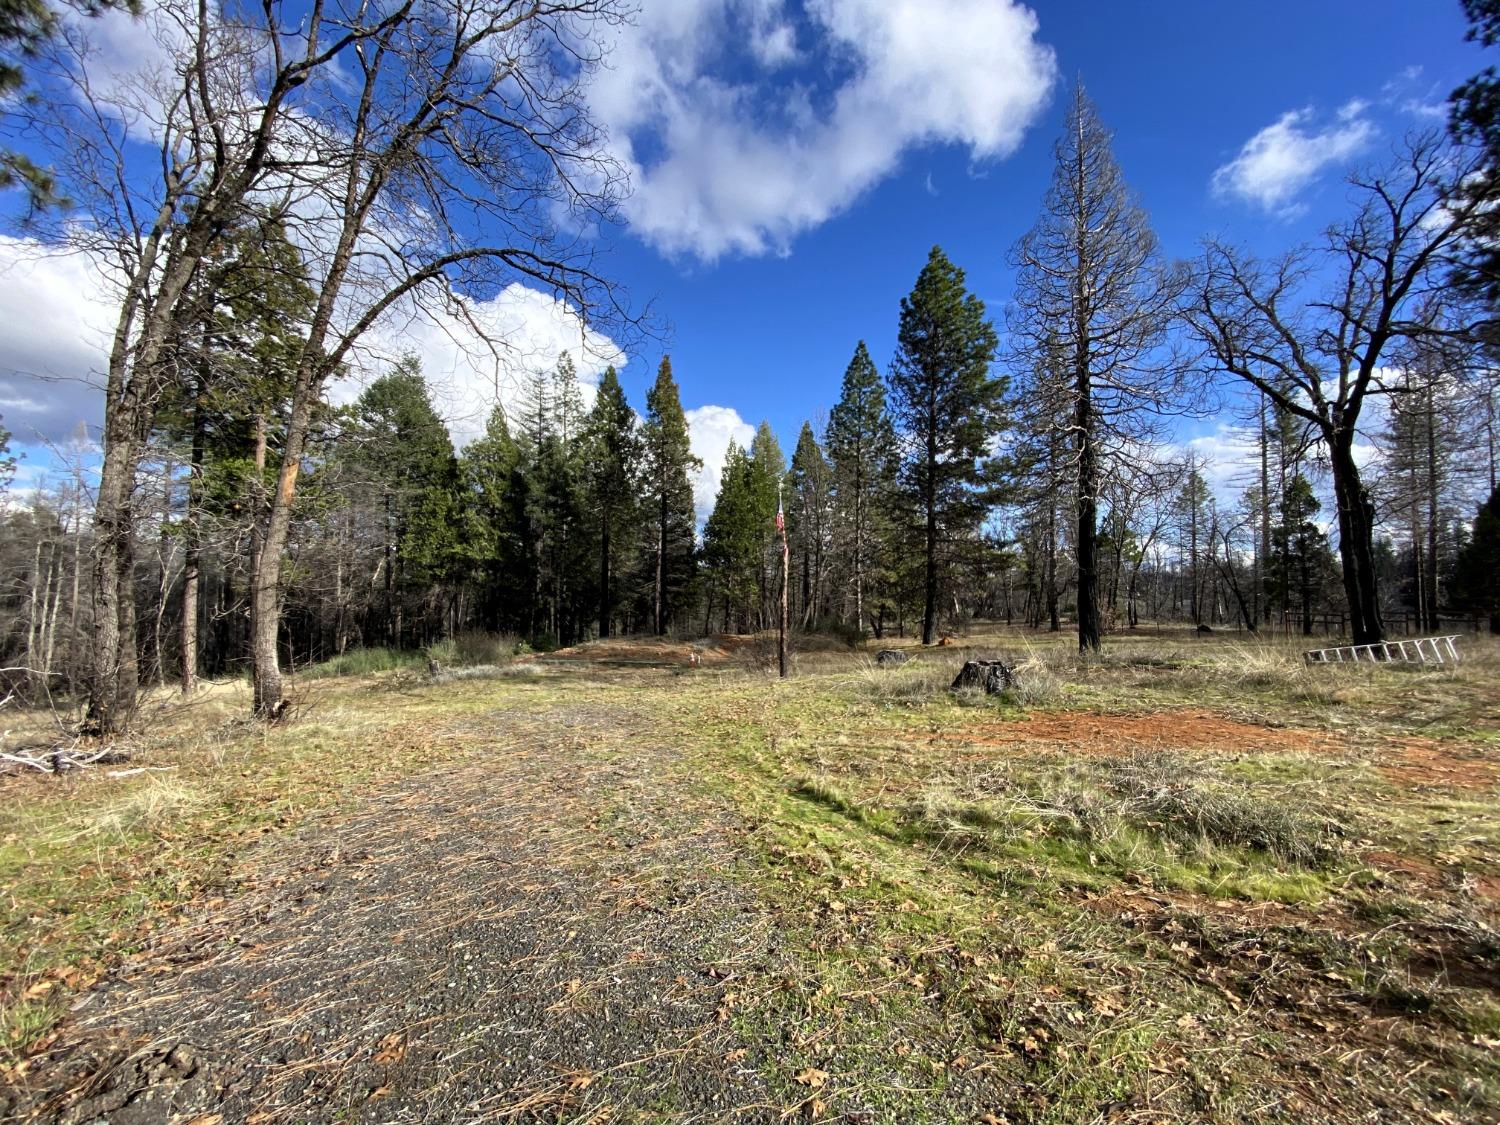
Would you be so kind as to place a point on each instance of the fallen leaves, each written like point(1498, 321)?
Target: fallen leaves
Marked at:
point(391, 1049)
point(811, 1077)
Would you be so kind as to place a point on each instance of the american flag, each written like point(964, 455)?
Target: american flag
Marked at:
point(780, 516)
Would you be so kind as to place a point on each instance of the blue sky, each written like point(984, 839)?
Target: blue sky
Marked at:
point(794, 160)
point(1184, 85)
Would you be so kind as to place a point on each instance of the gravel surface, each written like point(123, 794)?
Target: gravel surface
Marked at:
point(547, 933)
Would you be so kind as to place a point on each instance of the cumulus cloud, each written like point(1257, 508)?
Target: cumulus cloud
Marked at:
point(486, 357)
point(1280, 161)
point(56, 314)
point(710, 430)
point(744, 165)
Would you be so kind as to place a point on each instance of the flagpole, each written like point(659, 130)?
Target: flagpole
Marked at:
point(785, 562)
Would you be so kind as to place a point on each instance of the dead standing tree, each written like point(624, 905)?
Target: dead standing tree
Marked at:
point(1312, 331)
point(1093, 303)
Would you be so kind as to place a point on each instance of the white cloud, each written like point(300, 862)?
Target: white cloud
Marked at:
point(710, 430)
point(56, 315)
point(743, 166)
point(1278, 162)
point(466, 375)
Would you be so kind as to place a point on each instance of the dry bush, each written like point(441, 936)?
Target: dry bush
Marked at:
point(916, 681)
point(487, 672)
point(473, 647)
point(1187, 804)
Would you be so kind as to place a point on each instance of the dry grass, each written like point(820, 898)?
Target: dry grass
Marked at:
point(968, 917)
point(155, 805)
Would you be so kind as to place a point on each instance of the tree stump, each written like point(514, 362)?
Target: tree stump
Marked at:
point(890, 658)
point(990, 676)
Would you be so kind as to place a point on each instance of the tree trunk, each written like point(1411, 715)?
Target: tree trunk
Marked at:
point(1356, 516)
point(1430, 594)
point(606, 611)
point(658, 618)
point(1088, 516)
point(929, 608)
point(192, 548)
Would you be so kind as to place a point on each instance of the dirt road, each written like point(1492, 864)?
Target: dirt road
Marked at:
point(516, 939)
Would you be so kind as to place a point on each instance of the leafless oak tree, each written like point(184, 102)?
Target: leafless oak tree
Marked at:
point(1312, 329)
point(413, 152)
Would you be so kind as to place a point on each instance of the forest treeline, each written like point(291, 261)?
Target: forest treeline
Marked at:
point(1016, 464)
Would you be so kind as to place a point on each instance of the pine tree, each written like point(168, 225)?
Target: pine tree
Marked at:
point(807, 520)
point(669, 463)
point(1193, 535)
point(1476, 575)
point(25, 26)
point(948, 407)
point(1093, 288)
point(734, 538)
point(769, 480)
point(404, 448)
point(861, 449)
point(496, 527)
point(1474, 118)
point(235, 357)
point(1300, 558)
point(613, 465)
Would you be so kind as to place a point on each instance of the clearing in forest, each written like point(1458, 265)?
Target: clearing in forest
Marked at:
point(1214, 884)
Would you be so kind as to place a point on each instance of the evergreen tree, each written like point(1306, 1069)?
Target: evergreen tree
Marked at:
point(613, 465)
point(669, 463)
point(25, 26)
point(807, 520)
point(861, 449)
point(496, 528)
point(1474, 118)
point(734, 538)
point(1476, 576)
point(1300, 558)
point(948, 408)
point(404, 448)
point(768, 480)
point(235, 356)
point(1194, 539)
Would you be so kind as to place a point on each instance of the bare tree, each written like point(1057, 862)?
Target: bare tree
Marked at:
point(1093, 288)
point(413, 152)
point(1311, 330)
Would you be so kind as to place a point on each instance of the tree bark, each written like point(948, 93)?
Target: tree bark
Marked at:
point(1356, 516)
point(1088, 516)
point(929, 500)
point(606, 610)
point(192, 548)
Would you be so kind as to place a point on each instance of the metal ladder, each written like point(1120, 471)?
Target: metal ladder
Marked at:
point(1421, 650)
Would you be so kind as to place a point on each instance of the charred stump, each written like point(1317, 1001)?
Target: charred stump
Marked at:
point(990, 676)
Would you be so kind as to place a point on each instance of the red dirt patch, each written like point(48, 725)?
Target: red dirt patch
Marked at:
point(1409, 761)
point(1425, 761)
